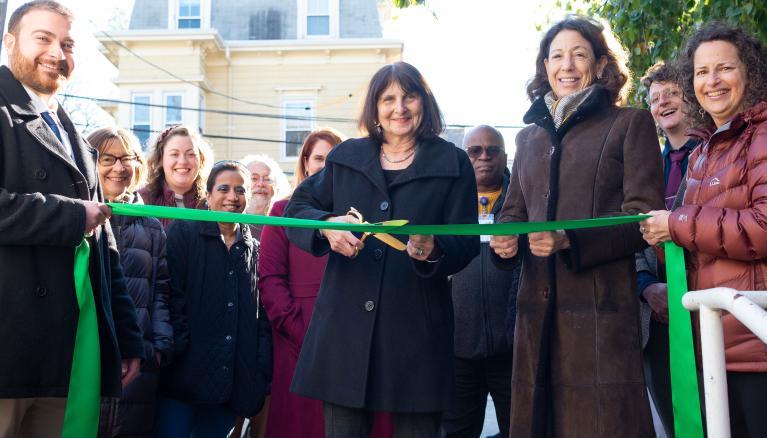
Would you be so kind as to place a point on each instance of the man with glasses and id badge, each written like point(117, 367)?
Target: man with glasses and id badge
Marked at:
point(484, 302)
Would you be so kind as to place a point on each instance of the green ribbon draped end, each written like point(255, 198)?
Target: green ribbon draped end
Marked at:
point(685, 398)
point(81, 417)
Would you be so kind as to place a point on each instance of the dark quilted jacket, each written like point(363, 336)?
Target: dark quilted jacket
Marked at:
point(223, 343)
point(141, 243)
point(723, 223)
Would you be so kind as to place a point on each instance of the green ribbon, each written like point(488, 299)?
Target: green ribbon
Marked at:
point(504, 229)
point(81, 417)
point(686, 402)
point(684, 376)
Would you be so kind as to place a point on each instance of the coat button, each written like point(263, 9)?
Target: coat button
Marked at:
point(41, 291)
point(228, 338)
point(41, 174)
point(378, 254)
point(546, 195)
point(230, 304)
point(369, 306)
point(384, 206)
point(546, 293)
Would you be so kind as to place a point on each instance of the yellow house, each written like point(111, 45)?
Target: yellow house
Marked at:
point(255, 76)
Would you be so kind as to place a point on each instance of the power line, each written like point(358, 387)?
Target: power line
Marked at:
point(236, 113)
point(175, 76)
point(251, 114)
point(227, 137)
point(214, 111)
point(215, 136)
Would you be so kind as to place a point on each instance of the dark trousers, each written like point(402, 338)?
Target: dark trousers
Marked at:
point(343, 422)
point(747, 393)
point(474, 380)
point(655, 358)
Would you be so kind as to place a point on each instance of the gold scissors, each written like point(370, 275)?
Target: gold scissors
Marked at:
point(383, 237)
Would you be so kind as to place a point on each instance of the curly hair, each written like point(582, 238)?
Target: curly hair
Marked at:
point(660, 72)
point(616, 77)
point(752, 54)
point(156, 174)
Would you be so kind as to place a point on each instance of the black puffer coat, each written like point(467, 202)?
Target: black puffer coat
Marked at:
point(141, 243)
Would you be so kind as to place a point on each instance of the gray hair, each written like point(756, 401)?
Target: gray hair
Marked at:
point(281, 183)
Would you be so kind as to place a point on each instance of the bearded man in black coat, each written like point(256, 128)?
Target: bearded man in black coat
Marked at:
point(49, 199)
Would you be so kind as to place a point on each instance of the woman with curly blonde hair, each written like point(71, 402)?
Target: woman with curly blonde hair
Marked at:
point(179, 163)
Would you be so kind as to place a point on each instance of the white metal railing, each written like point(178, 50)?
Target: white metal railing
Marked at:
point(747, 307)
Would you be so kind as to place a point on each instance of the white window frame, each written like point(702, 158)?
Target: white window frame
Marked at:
point(133, 111)
point(165, 121)
point(334, 14)
point(310, 124)
point(173, 6)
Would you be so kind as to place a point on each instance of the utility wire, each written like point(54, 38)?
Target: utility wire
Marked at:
point(235, 113)
point(250, 114)
point(215, 111)
point(215, 136)
point(175, 76)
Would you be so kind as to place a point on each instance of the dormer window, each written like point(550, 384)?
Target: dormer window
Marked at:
point(189, 14)
point(318, 18)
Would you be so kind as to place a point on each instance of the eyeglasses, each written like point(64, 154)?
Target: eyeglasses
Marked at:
point(476, 151)
point(107, 160)
point(256, 178)
point(668, 93)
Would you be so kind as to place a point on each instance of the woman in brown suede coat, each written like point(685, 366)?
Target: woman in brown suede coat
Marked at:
point(577, 365)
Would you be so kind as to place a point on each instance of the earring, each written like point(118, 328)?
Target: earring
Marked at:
point(702, 112)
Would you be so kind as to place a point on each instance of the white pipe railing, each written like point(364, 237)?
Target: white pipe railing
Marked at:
point(747, 307)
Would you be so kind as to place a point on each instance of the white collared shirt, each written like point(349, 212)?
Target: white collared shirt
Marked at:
point(41, 107)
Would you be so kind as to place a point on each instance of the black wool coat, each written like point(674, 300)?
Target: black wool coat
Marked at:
point(381, 336)
point(42, 220)
point(222, 339)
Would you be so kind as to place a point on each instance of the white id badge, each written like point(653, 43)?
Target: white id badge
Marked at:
point(485, 219)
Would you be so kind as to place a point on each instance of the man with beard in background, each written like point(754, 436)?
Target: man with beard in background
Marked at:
point(49, 200)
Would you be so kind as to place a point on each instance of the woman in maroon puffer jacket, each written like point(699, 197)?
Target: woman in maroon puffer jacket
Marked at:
point(723, 219)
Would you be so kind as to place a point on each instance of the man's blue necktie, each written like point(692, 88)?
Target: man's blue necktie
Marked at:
point(52, 124)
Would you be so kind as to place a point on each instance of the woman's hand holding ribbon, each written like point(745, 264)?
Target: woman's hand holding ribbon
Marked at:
point(420, 247)
point(655, 229)
point(343, 242)
point(504, 246)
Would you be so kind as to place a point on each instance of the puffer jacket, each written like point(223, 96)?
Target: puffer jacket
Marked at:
point(141, 243)
point(723, 223)
point(485, 302)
